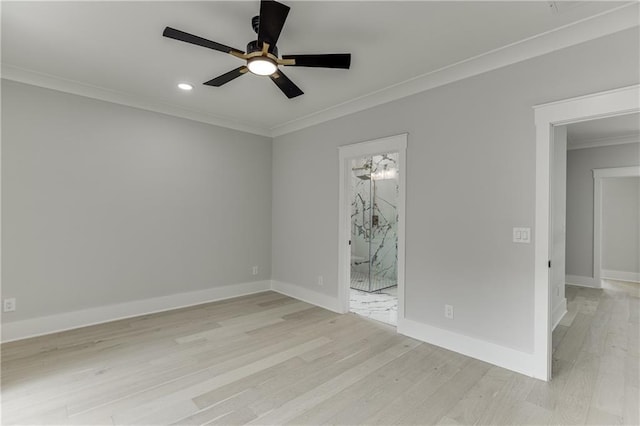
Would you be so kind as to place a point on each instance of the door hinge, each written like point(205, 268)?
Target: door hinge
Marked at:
point(549, 264)
point(349, 242)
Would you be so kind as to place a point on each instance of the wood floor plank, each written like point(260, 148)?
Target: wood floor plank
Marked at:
point(271, 386)
point(269, 359)
point(631, 414)
point(440, 403)
point(547, 394)
point(574, 402)
point(239, 417)
point(134, 405)
point(573, 340)
point(310, 399)
point(365, 397)
point(524, 413)
point(477, 400)
point(513, 394)
point(599, 418)
point(209, 361)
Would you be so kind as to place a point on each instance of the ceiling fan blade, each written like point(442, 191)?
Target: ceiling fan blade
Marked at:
point(190, 38)
point(287, 86)
point(227, 77)
point(272, 17)
point(331, 60)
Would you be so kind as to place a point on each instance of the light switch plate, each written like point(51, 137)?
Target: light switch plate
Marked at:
point(522, 235)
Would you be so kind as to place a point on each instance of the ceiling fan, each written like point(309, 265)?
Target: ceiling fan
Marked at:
point(262, 54)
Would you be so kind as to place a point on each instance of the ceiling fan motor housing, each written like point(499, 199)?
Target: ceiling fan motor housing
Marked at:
point(256, 46)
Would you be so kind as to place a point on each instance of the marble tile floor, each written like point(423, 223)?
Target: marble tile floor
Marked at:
point(380, 306)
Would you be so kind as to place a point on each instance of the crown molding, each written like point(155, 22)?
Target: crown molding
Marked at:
point(598, 142)
point(596, 26)
point(21, 75)
point(600, 25)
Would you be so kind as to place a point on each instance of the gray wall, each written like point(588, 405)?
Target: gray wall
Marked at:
point(104, 204)
point(621, 224)
point(580, 165)
point(470, 179)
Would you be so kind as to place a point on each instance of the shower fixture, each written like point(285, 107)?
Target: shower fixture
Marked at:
point(367, 170)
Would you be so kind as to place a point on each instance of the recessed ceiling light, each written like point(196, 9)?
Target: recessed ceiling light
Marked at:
point(185, 86)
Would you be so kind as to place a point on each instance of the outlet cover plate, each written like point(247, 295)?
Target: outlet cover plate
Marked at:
point(448, 311)
point(9, 305)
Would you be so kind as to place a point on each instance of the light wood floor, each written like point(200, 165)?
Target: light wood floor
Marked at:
point(269, 359)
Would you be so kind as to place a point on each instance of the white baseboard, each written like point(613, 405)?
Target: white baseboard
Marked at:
point(620, 275)
point(18, 330)
point(306, 295)
point(502, 356)
point(581, 281)
point(558, 313)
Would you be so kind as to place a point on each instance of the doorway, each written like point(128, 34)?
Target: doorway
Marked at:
point(547, 118)
point(616, 254)
point(374, 237)
point(579, 152)
point(592, 207)
point(371, 228)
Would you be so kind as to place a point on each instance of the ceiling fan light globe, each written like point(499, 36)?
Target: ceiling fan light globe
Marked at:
point(262, 66)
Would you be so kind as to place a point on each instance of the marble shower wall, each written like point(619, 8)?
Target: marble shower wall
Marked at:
point(374, 216)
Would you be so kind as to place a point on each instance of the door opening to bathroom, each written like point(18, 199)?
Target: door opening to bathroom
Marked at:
point(371, 264)
point(374, 237)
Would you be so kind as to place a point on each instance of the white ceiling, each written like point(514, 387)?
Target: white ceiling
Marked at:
point(118, 46)
point(604, 131)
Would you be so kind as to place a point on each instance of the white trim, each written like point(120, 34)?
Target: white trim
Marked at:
point(582, 281)
point(633, 277)
point(600, 25)
point(501, 356)
point(598, 105)
point(612, 172)
point(60, 84)
point(558, 313)
point(598, 142)
point(313, 297)
point(592, 27)
point(597, 226)
point(397, 143)
point(18, 330)
point(598, 176)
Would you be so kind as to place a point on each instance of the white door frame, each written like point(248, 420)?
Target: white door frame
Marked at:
point(621, 101)
point(598, 176)
point(397, 143)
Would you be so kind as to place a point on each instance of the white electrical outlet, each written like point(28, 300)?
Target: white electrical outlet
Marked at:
point(9, 305)
point(320, 280)
point(254, 270)
point(448, 311)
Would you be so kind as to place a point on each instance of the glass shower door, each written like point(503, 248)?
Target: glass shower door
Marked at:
point(374, 221)
point(383, 258)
